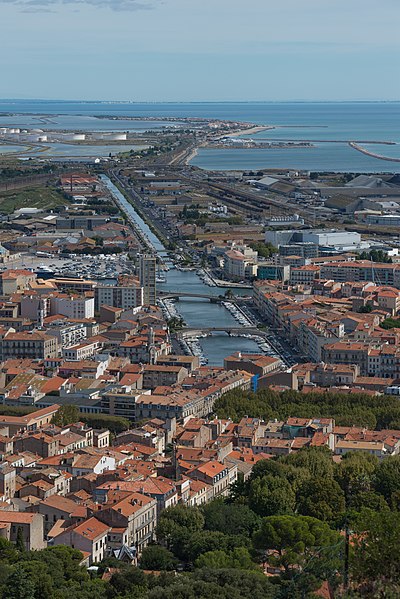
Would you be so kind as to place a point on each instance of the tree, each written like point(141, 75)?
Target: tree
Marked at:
point(19, 585)
point(295, 475)
point(265, 250)
point(204, 541)
point(317, 460)
point(176, 525)
point(190, 518)
point(355, 471)
point(175, 323)
point(224, 583)
point(387, 477)
point(376, 557)
point(116, 424)
point(214, 560)
point(129, 581)
point(239, 559)
point(156, 557)
point(321, 498)
point(41, 576)
point(292, 542)
point(8, 551)
point(67, 414)
point(62, 562)
point(171, 534)
point(271, 495)
point(371, 500)
point(20, 543)
point(230, 518)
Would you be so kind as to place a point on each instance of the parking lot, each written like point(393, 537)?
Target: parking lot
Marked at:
point(96, 267)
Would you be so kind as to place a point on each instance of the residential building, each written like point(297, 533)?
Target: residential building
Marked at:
point(132, 520)
point(73, 306)
point(30, 525)
point(125, 297)
point(147, 276)
point(90, 537)
point(32, 344)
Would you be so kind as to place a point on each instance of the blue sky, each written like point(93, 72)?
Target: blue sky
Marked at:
point(198, 50)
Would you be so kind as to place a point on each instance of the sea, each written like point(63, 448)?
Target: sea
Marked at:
point(327, 125)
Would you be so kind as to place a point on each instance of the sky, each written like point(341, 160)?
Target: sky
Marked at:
point(200, 50)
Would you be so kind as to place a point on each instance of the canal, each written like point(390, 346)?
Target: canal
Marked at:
point(196, 312)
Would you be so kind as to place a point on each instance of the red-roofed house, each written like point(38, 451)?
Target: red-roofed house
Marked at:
point(90, 537)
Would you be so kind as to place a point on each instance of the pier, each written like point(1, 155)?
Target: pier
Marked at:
point(359, 148)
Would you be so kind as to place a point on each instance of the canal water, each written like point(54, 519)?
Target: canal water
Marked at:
point(195, 311)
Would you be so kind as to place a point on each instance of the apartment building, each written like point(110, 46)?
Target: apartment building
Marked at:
point(332, 375)
point(7, 481)
point(257, 364)
point(81, 351)
point(304, 275)
point(147, 276)
point(66, 333)
point(31, 526)
point(179, 406)
point(120, 402)
point(73, 306)
point(188, 362)
point(139, 351)
point(158, 375)
point(12, 281)
point(90, 537)
point(125, 297)
point(347, 352)
point(312, 335)
point(32, 344)
point(57, 508)
point(218, 476)
point(240, 265)
point(362, 270)
point(132, 520)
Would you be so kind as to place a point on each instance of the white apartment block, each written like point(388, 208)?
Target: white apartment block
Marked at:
point(73, 307)
point(82, 351)
point(119, 297)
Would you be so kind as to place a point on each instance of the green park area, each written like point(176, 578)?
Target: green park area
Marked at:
point(31, 197)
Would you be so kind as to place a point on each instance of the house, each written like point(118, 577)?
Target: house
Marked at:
point(30, 524)
point(90, 537)
point(132, 520)
point(217, 475)
point(86, 463)
point(163, 490)
point(56, 508)
point(31, 421)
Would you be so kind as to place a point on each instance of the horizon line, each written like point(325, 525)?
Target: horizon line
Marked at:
point(292, 101)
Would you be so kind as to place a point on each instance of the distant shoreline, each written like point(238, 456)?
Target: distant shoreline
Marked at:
point(150, 102)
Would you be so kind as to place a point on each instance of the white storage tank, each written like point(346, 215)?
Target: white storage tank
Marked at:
point(74, 136)
point(115, 136)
